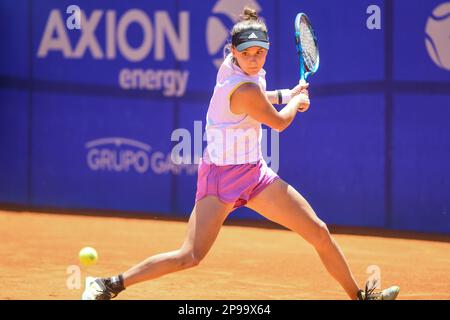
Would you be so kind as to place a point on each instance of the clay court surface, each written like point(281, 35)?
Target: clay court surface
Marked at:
point(245, 263)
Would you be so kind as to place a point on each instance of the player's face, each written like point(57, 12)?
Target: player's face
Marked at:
point(250, 60)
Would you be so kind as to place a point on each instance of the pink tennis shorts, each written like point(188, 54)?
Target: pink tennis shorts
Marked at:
point(233, 183)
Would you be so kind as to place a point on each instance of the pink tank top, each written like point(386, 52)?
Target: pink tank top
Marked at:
point(232, 139)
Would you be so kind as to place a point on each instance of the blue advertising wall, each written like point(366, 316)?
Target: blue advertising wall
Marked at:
point(86, 116)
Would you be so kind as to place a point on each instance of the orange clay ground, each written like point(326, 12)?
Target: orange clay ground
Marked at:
point(36, 250)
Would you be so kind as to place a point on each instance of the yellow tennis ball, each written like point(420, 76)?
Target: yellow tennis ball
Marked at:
point(88, 256)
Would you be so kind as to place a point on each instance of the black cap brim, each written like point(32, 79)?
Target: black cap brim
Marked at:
point(248, 44)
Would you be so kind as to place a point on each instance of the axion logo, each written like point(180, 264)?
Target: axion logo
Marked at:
point(155, 33)
point(225, 14)
point(437, 40)
point(56, 38)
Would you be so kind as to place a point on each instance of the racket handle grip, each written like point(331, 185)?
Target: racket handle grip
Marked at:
point(302, 82)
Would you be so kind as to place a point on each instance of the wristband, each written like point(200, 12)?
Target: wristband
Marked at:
point(286, 96)
point(280, 97)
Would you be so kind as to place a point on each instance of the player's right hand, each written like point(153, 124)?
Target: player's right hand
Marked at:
point(299, 88)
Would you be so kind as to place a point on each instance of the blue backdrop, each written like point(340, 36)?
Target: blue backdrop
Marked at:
point(86, 116)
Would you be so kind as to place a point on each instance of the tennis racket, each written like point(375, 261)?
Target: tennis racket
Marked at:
point(306, 44)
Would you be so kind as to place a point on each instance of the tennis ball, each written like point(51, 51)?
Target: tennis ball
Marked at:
point(88, 256)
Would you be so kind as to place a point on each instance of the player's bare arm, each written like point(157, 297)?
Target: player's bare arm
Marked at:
point(249, 99)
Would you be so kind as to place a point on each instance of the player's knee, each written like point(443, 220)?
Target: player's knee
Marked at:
point(323, 237)
point(195, 261)
point(188, 260)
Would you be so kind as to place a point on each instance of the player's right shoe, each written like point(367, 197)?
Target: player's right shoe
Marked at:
point(98, 289)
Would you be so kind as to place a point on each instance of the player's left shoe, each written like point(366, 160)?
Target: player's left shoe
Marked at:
point(98, 289)
point(390, 293)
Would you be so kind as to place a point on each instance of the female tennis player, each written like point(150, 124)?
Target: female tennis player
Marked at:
point(233, 173)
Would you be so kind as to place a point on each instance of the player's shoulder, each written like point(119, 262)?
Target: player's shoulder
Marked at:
point(247, 89)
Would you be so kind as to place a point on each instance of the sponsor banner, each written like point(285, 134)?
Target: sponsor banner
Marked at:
point(116, 84)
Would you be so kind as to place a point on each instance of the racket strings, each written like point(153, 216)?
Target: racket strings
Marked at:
point(308, 43)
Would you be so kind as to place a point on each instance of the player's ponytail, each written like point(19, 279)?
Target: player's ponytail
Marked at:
point(248, 19)
point(249, 14)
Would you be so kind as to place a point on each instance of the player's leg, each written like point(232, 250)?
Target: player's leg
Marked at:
point(204, 225)
point(292, 211)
